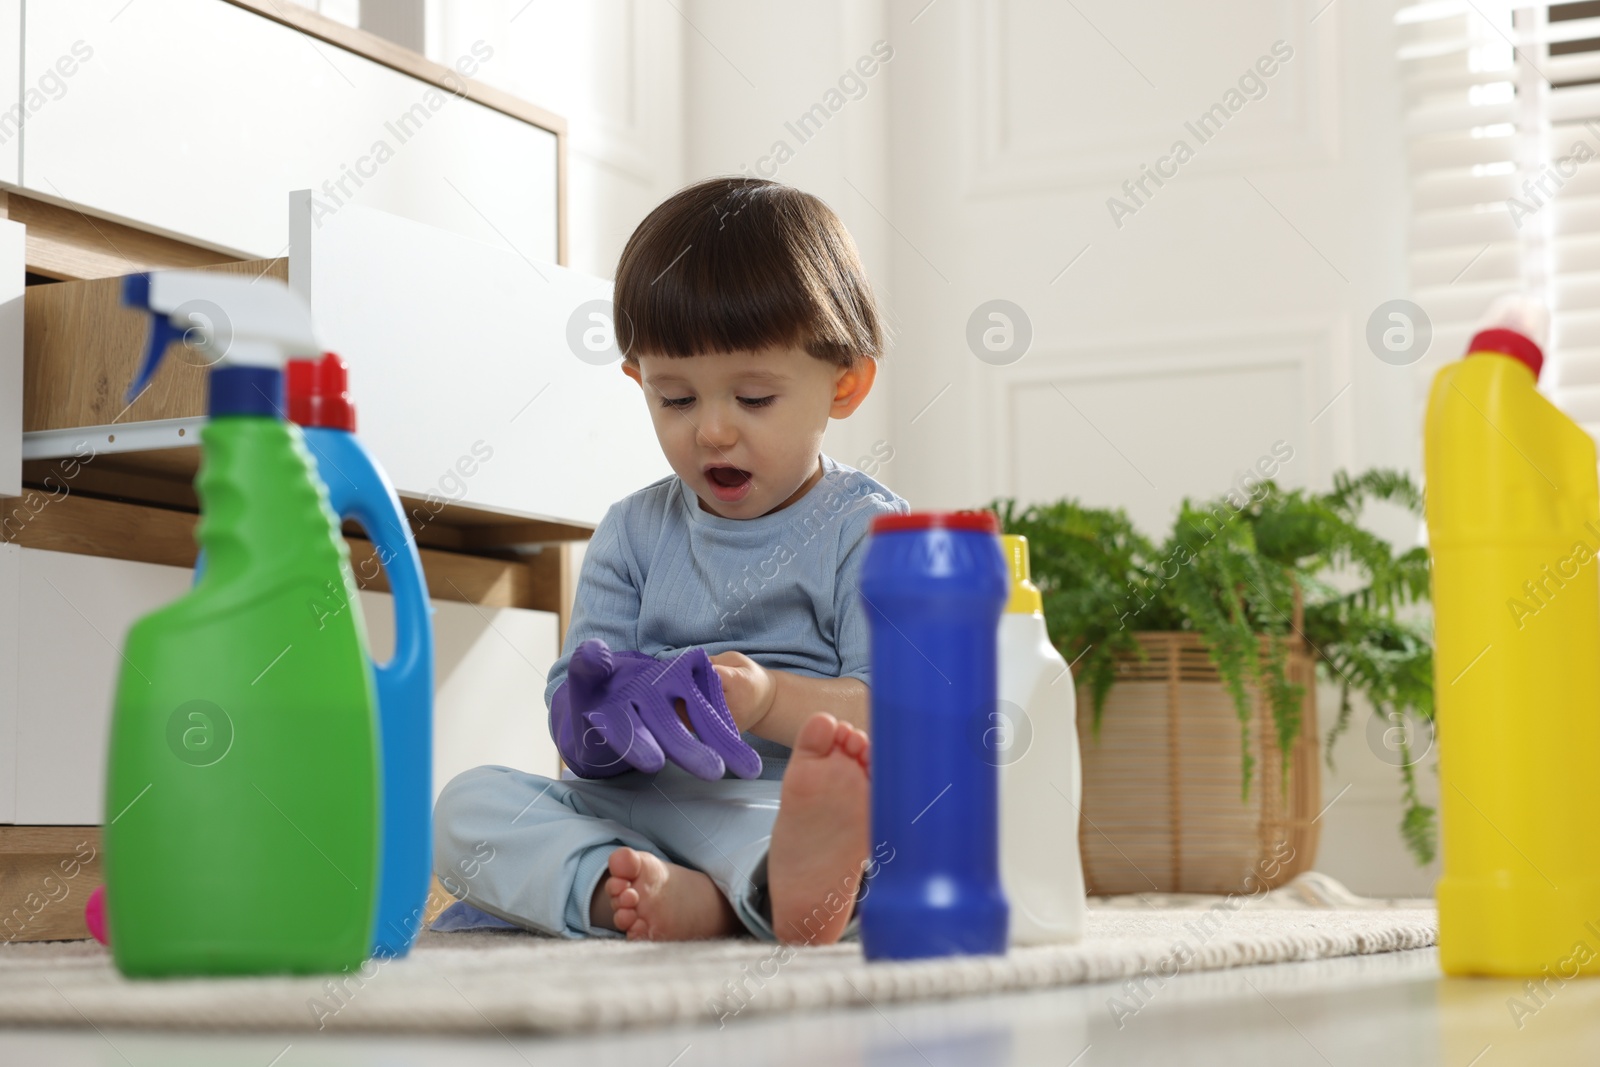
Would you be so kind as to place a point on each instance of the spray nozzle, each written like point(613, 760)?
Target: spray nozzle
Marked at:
point(229, 320)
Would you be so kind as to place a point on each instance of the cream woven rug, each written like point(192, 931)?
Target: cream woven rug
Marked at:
point(489, 980)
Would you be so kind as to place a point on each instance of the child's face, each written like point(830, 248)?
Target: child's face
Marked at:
point(744, 429)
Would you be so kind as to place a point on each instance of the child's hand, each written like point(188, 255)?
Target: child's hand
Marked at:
point(748, 687)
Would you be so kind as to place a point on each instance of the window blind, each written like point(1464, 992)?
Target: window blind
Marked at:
point(1502, 120)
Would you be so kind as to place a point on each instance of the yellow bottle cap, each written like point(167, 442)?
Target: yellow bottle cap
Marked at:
point(1025, 598)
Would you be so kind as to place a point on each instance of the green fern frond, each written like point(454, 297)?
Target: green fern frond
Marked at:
point(1228, 572)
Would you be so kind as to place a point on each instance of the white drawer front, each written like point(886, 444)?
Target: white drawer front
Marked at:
point(466, 383)
point(10, 622)
point(74, 612)
point(59, 655)
point(197, 117)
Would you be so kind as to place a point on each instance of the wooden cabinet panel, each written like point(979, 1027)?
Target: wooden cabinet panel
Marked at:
point(197, 117)
point(47, 874)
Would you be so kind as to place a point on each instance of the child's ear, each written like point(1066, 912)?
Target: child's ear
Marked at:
point(852, 386)
point(631, 369)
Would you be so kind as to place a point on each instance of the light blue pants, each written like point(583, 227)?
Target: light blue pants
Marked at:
point(531, 850)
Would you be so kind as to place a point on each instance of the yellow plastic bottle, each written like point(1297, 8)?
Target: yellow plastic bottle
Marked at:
point(1513, 512)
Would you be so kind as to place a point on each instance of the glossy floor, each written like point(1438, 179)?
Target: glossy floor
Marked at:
point(1365, 1011)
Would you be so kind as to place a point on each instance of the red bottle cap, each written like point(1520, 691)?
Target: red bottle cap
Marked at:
point(981, 521)
point(1508, 343)
point(318, 393)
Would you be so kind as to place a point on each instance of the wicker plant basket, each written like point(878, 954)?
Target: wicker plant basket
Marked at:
point(1162, 810)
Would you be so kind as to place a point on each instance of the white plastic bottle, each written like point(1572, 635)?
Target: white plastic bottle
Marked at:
point(1041, 783)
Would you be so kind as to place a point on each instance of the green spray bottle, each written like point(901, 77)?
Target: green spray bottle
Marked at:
point(242, 785)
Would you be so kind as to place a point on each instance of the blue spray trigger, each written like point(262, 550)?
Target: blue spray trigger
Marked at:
point(136, 294)
point(136, 291)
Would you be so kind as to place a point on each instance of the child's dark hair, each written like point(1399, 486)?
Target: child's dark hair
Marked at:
point(736, 264)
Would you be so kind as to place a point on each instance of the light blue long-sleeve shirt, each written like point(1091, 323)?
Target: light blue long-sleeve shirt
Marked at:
point(661, 575)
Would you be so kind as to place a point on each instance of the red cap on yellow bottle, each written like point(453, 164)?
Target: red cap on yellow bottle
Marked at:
point(1500, 341)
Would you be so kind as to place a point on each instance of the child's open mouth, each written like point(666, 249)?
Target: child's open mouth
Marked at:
point(730, 484)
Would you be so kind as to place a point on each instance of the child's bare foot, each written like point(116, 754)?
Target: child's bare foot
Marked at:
point(819, 842)
point(653, 900)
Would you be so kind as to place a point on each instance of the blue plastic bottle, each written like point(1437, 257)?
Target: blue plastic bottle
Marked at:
point(934, 585)
point(358, 489)
point(319, 402)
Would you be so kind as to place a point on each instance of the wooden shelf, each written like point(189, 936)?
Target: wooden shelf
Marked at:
point(166, 477)
point(145, 533)
point(68, 245)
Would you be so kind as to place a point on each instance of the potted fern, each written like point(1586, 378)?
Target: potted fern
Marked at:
point(1258, 580)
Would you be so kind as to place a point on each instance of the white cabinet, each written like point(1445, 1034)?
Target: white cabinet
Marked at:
point(10, 714)
point(12, 283)
point(12, 95)
point(63, 618)
point(198, 116)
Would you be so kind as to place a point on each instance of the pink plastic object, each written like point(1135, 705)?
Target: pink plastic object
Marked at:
point(94, 914)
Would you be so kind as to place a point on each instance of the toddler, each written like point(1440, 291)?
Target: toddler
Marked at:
point(747, 321)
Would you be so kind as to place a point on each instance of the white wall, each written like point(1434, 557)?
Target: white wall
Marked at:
point(1221, 316)
point(656, 96)
point(614, 70)
point(751, 70)
point(1225, 314)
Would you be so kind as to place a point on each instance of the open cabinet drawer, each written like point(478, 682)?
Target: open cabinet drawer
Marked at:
point(470, 366)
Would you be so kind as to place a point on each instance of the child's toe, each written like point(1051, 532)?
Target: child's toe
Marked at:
point(624, 863)
point(816, 735)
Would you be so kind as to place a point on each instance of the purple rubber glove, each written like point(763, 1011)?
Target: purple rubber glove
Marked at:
point(614, 713)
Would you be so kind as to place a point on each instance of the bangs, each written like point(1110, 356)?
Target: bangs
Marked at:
point(739, 264)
